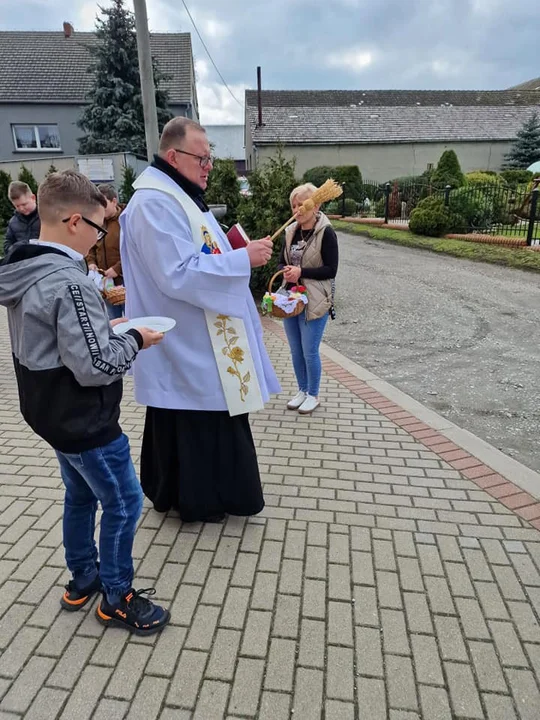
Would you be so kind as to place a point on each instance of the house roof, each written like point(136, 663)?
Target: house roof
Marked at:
point(393, 98)
point(312, 117)
point(228, 140)
point(45, 67)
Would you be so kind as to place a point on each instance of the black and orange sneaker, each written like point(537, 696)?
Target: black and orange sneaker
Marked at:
point(76, 598)
point(134, 613)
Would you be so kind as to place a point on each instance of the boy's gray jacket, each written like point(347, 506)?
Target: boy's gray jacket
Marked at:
point(69, 364)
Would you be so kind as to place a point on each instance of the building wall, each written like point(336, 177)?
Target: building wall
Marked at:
point(384, 162)
point(40, 166)
point(65, 116)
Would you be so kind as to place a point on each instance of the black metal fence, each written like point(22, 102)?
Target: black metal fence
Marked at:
point(493, 209)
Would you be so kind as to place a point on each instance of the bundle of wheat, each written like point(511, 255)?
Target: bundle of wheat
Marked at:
point(330, 190)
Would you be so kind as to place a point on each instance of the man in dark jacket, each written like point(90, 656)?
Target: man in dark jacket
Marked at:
point(105, 255)
point(24, 225)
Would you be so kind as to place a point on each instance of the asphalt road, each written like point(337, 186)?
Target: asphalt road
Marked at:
point(458, 336)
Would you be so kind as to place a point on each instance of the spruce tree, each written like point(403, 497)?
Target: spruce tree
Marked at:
point(526, 147)
point(113, 120)
point(126, 188)
point(223, 187)
point(448, 171)
point(27, 177)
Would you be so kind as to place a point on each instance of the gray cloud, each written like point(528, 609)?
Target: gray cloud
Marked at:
point(342, 44)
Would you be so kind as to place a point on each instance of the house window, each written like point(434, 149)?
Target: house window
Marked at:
point(36, 137)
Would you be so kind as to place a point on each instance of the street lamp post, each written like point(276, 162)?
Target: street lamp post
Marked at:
point(147, 79)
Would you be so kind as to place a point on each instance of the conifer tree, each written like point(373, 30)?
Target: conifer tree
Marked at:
point(525, 149)
point(113, 120)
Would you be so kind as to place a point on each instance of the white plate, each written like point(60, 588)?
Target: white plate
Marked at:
point(159, 324)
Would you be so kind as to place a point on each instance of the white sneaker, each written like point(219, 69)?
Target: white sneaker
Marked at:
point(309, 405)
point(296, 401)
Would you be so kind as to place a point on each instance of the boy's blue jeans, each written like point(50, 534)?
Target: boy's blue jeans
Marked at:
point(105, 474)
point(304, 340)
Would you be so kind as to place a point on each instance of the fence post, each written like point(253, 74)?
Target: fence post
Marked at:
point(447, 195)
point(343, 201)
point(387, 189)
point(532, 215)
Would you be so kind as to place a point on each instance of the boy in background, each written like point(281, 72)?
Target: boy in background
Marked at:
point(24, 225)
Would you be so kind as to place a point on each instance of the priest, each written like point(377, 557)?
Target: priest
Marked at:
point(212, 370)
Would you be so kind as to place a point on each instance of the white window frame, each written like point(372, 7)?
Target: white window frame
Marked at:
point(38, 147)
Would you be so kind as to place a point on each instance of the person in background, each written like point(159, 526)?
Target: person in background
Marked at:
point(105, 255)
point(24, 225)
point(310, 258)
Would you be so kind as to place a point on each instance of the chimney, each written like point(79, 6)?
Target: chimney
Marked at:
point(259, 96)
point(68, 29)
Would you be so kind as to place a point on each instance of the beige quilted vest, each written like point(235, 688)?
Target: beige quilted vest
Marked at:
point(319, 292)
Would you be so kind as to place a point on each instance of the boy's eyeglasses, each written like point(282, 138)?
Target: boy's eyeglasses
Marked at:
point(204, 160)
point(101, 232)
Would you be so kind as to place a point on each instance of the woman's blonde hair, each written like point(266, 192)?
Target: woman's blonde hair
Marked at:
point(305, 189)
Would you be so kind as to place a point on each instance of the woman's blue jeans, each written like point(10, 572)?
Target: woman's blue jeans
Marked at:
point(105, 474)
point(305, 340)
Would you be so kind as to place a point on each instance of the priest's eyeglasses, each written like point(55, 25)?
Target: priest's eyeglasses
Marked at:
point(101, 232)
point(204, 160)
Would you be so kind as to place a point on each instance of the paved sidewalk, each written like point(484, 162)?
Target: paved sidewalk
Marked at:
point(385, 579)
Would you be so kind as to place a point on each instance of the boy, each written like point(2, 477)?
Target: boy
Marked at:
point(69, 367)
point(24, 225)
point(105, 255)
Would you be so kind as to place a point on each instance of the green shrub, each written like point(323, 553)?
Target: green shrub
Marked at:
point(223, 188)
point(448, 171)
point(475, 208)
point(432, 218)
point(337, 207)
point(351, 176)
point(433, 223)
point(484, 178)
point(379, 207)
point(333, 208)
point(517, 177)
point(267, 209)
point(318, 175)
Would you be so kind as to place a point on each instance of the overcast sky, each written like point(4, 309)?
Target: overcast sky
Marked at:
point(329, 44)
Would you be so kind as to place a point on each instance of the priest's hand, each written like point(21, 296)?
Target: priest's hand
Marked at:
point(150, 337)
point(260, 251)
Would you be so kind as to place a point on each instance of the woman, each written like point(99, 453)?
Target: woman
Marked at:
point(309, 257)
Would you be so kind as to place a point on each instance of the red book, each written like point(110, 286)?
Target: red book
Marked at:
point(237, 237)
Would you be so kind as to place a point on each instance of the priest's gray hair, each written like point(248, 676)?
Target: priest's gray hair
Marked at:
point(175, 131)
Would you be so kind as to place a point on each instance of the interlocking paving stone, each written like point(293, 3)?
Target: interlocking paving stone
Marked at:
point(378, 582)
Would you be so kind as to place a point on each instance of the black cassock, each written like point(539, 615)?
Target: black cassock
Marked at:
point(201, 463)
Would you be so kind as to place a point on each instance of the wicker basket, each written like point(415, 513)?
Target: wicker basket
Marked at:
point(116, 295)
point(278, 312)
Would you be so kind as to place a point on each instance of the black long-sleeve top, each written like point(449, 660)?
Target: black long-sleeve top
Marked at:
point(329, 256)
